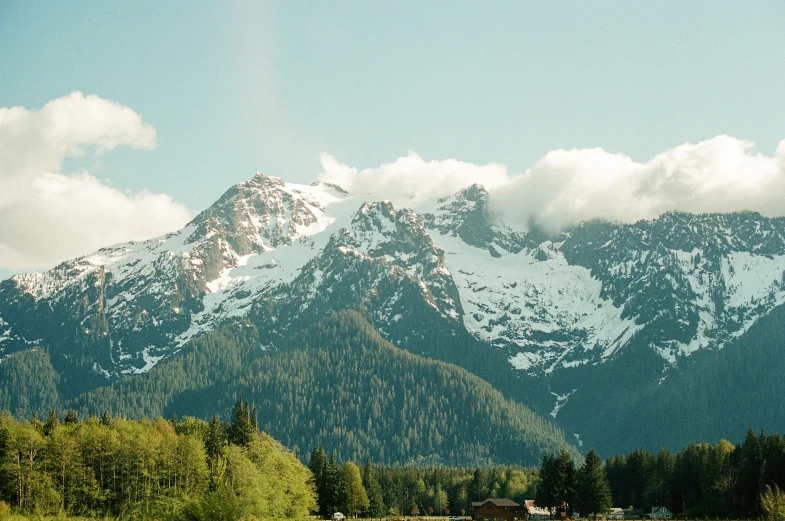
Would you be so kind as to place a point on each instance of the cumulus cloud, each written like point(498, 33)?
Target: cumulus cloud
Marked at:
point(412, 178)
point(721, 174)
point(46, 215)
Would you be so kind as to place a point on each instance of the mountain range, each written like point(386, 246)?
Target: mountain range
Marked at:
point(606, 335)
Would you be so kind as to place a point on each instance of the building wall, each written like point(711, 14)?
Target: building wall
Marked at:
point(491, 511)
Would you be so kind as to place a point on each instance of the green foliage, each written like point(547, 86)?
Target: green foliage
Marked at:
point(739, 379)
point(557, 481)
point(593, 490)
point(243, 427)
point(146, 470)
point(353, 496)
point(28, 383)
point(376, 506)
point(702, 480)
point(772, 502)
point(341, 385)
point(318, 467)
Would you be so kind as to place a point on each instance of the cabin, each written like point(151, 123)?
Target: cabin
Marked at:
point(659, 513)
point(498, 509)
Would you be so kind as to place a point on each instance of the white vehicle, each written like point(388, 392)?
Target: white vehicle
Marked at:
point(338, 516)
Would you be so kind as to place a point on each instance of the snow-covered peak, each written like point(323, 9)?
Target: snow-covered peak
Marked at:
point(265, 212)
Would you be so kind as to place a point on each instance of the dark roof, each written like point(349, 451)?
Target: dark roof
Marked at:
point(498, 501)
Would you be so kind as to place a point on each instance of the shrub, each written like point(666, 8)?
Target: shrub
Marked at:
point(773, 502)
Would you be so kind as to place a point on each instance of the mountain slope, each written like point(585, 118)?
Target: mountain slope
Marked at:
point(605, 316)
point(347, 388)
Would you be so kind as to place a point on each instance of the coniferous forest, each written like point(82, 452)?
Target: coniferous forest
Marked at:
point(338, 384)
point(703, 480)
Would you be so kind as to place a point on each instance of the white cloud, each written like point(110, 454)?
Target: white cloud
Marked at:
point(47, 216)
point(411, 178)
point(722, 174)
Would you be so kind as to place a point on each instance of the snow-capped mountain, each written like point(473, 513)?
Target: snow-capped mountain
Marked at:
point(284, 254)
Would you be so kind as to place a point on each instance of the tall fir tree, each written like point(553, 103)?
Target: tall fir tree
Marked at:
point(214, 445)
point(476, 488)
point(241, 430)
point(51, 423)
point(545, 496)
point(592, 488)
point(332, 485)
point(376, 507)
point(565, 480)
point(70, 417)
point(318, 467)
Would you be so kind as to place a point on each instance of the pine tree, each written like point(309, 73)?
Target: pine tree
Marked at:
point(353, 495)
point(593, 490)
point(318, 466)
point(254, 419)
point(332, 485)
point(476, 487)
point(215, 440)
point(106, 420)
point(242, 430)
point(214, 445)
point(565, 480)
point(70, 417)
point(376, 507)
point(51, 423)
point(546, 488)
point(751, 464)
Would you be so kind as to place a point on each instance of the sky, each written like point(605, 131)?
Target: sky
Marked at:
point(120, 121)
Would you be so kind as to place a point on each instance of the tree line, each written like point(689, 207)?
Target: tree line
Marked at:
point(378, 490)
point(701, 480)
point(187, 469)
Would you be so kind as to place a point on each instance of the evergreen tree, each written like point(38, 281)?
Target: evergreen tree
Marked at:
point(593, 490)
point(353, 495)
point(557, 482)
point(332, 485)
point(106, 420)
point(215, 445)
point(376, 507)
point(565, 480)
point(751, 462)
point(254, 419)
point(71, 418)
point(318, 467)
point(51, 423)
point(546, 496)
point(476, 488)
point(241, 430)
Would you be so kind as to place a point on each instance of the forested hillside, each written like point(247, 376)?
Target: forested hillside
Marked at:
point(714, 395)
point(341, 385)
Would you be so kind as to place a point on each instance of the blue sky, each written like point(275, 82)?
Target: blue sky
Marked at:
point(232, 88)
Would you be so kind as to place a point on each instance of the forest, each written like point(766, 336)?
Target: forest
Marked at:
point(702, 480)
point(192, 469)
point(338, 384)
point(185, 469)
